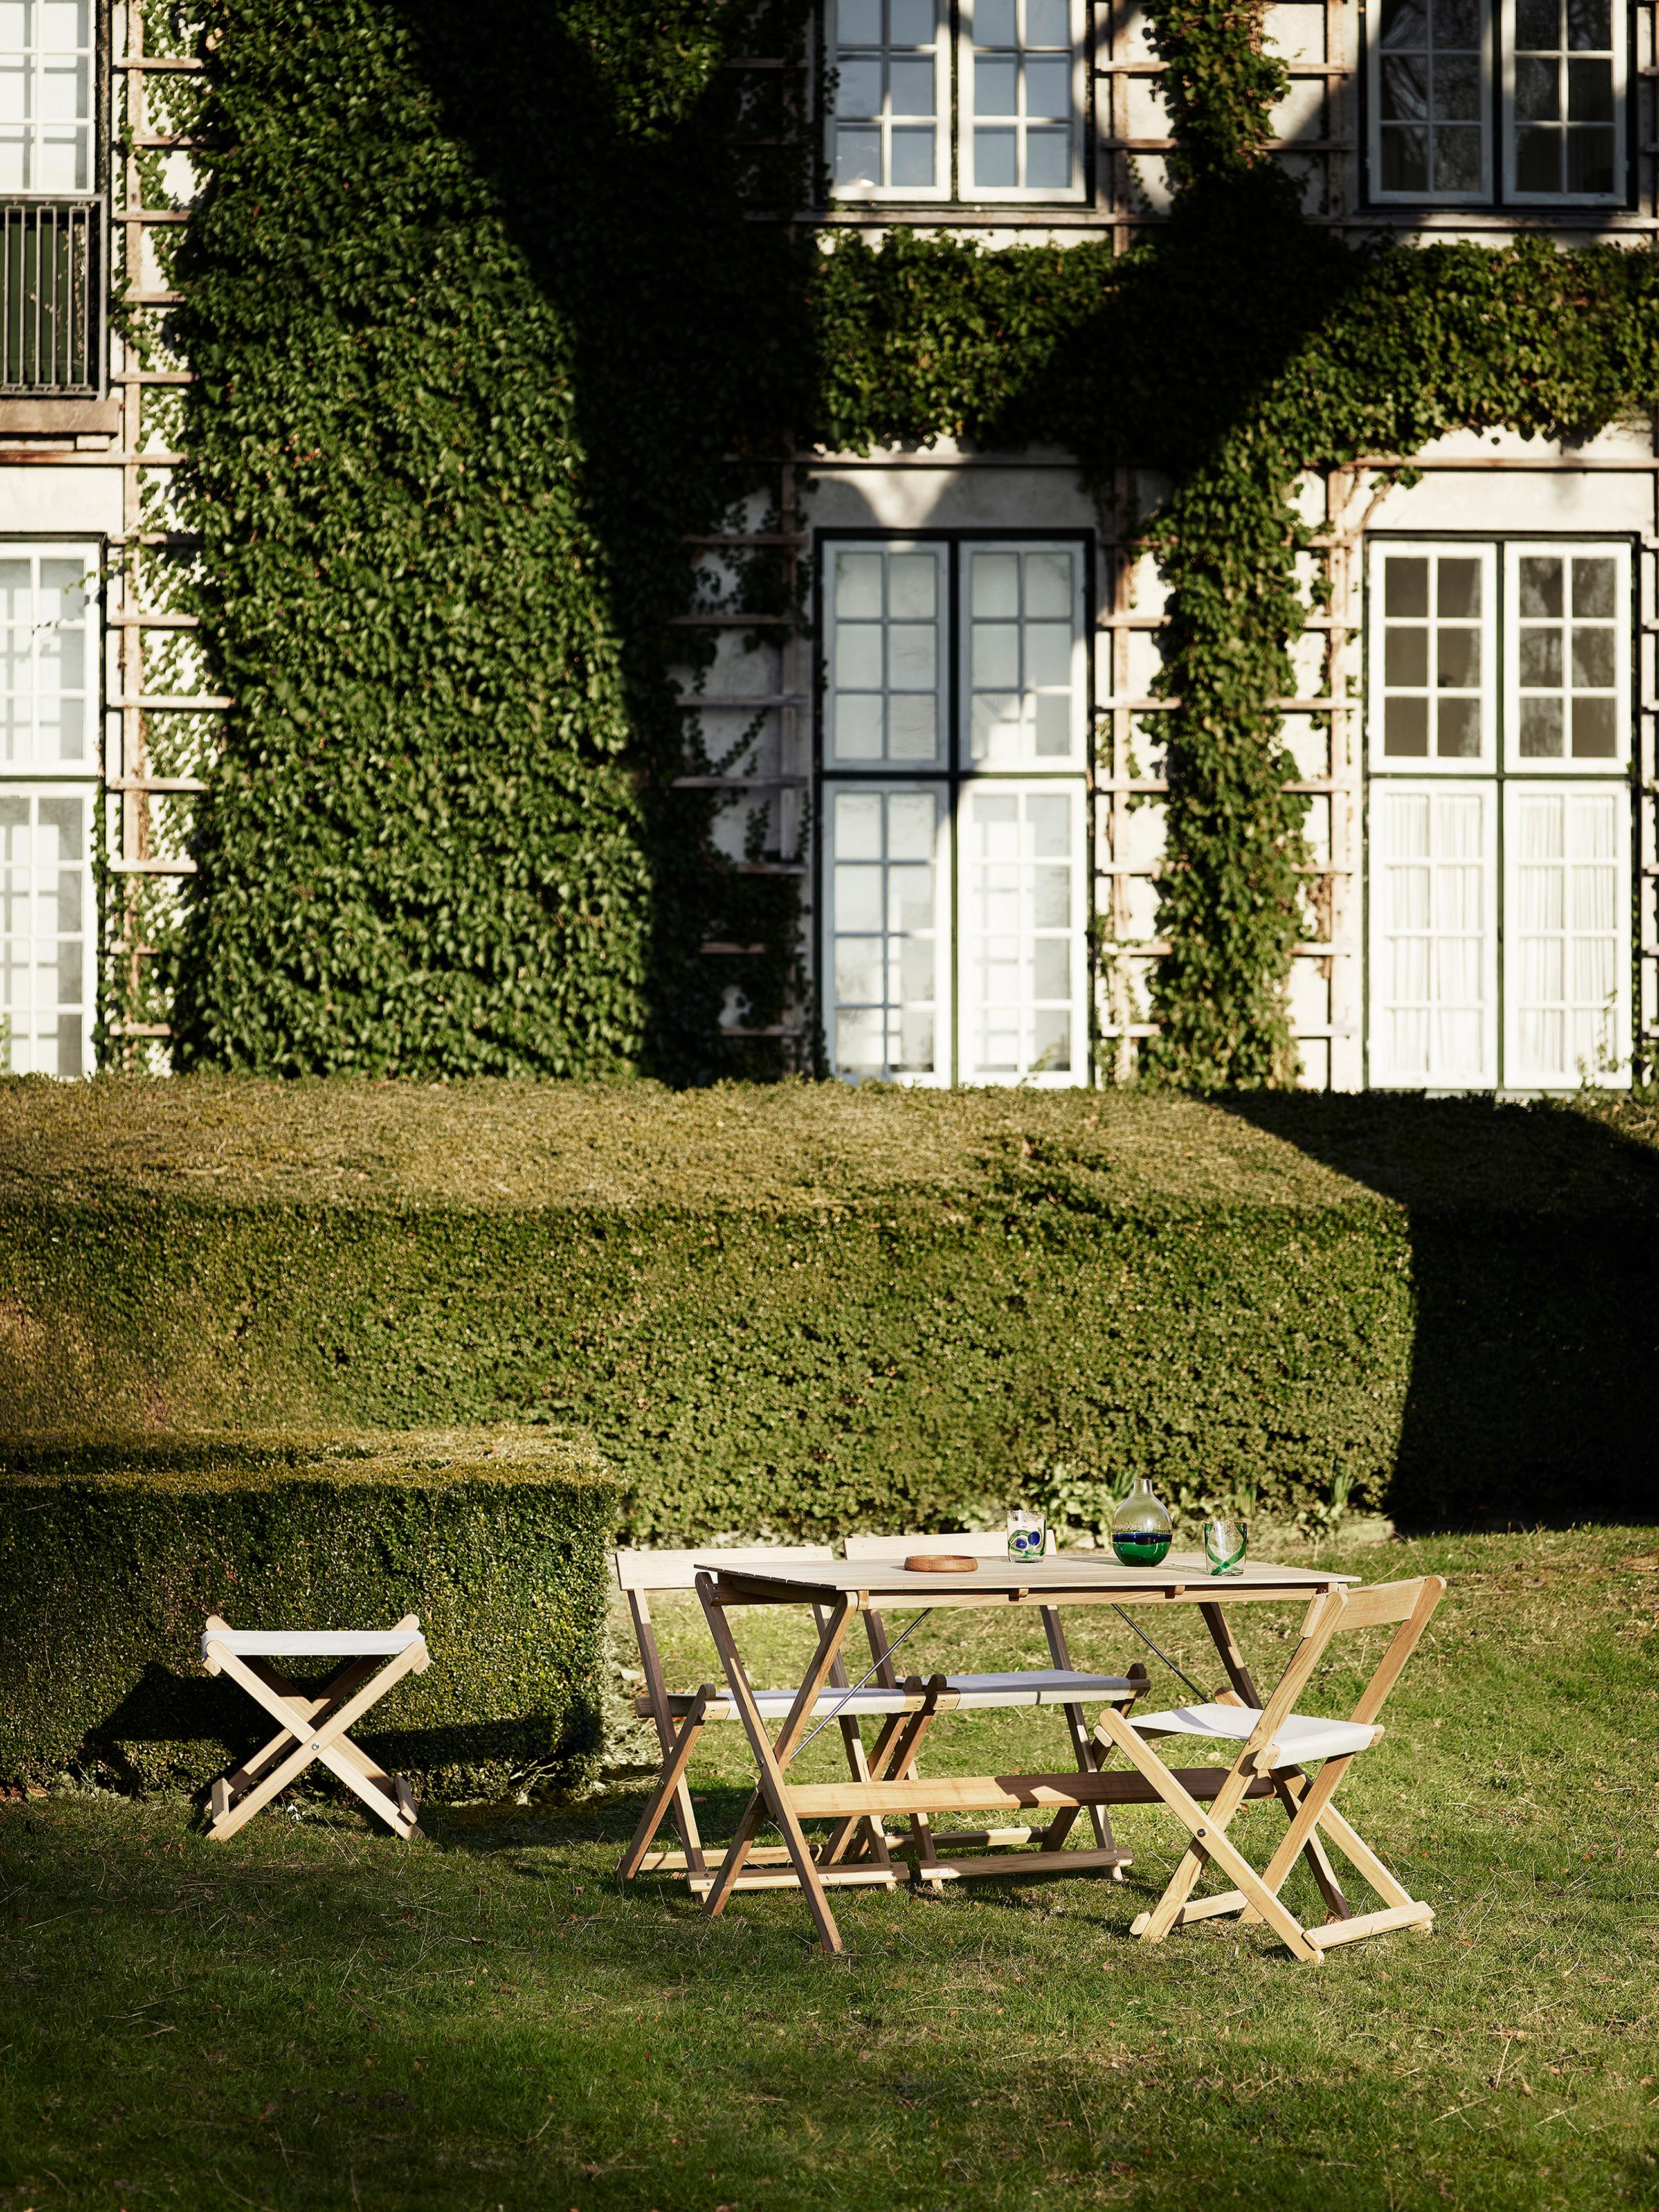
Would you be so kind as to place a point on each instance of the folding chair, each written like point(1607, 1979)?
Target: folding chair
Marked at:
point(312, 1727)
point(1061, 1684)
point(680, 1719)
point(1277, 1743)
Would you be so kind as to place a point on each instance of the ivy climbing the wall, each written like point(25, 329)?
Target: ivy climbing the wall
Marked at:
point(471, 297)
point(1235, 348)
point(481, 311)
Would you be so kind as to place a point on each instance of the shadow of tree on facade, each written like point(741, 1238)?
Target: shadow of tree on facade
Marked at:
point(1533, 1234)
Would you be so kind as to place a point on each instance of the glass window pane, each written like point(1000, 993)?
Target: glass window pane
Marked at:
point(858, 90)
point(912, 584)
point(1538, 90)
point(1406, 729)
point(1594, 732)
point(1539, 659)
point(1458, 660)
point(1405, 158)
point(1404, 24)
point(1537, 159)
point(1589, 161)
point(1538, 26)
point(1404, 89)
point(995, 164)
point(1457, 588)
point(1457, 723)
point(857, 585)
point(858, 156)
point(996, 86)
point(1048, 23)
point(1456, 151)
point(858, 22)
point(1593, 587)
point(1405, 585)
point(1457, 89)
point(1540, 584)
point(1405, 654)
point(1049, 88)
point(913, 22)
point(995, 588)
point(1048, 161)
point(1456, 26)
point(1541, 729)
point(1593, 658)
point(911, 86)
point(913, 157)
point(1589, 26)
point(993, 23)
point(1590, 92)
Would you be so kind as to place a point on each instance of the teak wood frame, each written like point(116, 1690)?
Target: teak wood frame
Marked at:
point(311, 1728)
point(1185, 1791)
point(1406, 1607)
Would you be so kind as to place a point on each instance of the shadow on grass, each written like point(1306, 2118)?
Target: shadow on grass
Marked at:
point(1535, 1241)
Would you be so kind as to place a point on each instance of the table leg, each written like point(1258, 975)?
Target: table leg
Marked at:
point(771, 1759)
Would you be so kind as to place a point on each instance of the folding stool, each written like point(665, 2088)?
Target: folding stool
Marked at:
point(313, 1727)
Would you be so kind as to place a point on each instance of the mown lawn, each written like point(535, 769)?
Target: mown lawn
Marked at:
point(313, 2015)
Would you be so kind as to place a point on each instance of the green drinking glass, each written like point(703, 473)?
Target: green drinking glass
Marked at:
point(1225, 1543)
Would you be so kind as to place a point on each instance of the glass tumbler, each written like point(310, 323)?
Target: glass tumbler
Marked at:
point(1028, 1534)
point(1225, 1543)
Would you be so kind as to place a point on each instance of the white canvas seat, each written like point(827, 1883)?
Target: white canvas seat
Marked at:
point(1297, 1738)
point(956, 1693)
point(312, 1643)
point(312, 1727)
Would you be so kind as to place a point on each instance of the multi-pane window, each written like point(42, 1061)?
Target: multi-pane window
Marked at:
point(1021, 93)
point(886, 871)
point(891, 97)
point(1563, 125)
point(1021, 676)
point(996, 114)
point(46, 901)
point(1430, 96)
point(1549, 75)
point(1433, 950)
point(886, 654)
point(45, 95)
point(48, 769)
point(1022, 934)
point(47, 661)
point(1432, 668)
point(954, 811)
point(1568, 616)
point(1500, 819)
point(1567, 901)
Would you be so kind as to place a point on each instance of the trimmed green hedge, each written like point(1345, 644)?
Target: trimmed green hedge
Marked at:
point(811, 1308)
point(114, 1549)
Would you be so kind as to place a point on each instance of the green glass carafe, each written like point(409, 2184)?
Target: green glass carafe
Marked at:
point(1141, 1529)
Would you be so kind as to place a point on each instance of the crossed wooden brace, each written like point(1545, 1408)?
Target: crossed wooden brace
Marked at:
point(312, 1727)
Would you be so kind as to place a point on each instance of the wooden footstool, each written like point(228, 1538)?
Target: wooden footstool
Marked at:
point(312, 1727)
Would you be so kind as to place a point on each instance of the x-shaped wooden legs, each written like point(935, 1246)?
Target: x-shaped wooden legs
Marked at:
point(771, 1759)
point(346, 1698)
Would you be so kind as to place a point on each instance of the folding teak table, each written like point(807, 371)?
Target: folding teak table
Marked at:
point(312, 1727)
point(843, 1589)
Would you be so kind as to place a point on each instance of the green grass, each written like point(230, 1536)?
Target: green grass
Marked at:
point(315, 2016)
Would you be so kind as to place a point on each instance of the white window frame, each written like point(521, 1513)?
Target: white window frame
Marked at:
point(1615, 1073)
point(937, 789)
point(1567, 764)
point(1075, 761)
point(1432, 764)
point(941, 187)
point(1620, 55)
point(970, 188)
point(34, 790)
point(1380, 1075)
point(35, 129)
point(1480, 197)
point(834, 760)
point(35, 780)
point(1077, 1075)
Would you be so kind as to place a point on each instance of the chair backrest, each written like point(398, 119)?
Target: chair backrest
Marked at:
point(1341, 1612)
point(672, 1571)
point(972, 1543)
